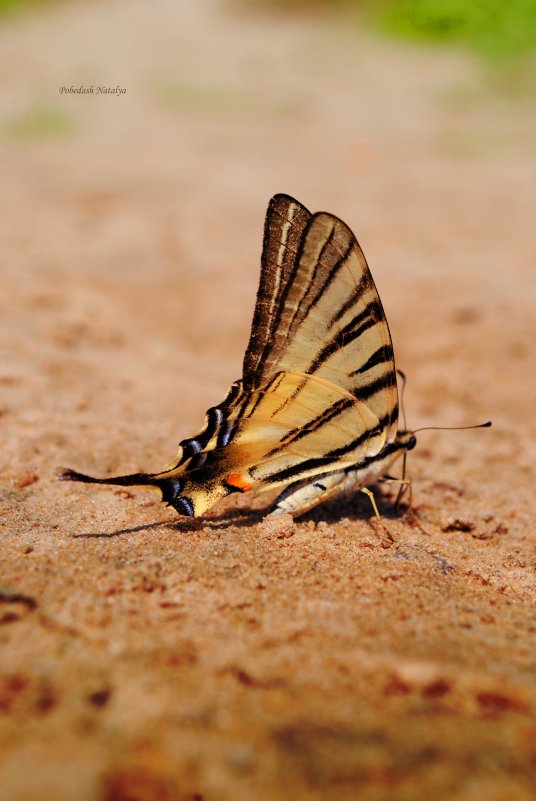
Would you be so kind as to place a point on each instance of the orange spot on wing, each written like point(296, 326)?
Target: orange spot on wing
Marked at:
point(237, 480)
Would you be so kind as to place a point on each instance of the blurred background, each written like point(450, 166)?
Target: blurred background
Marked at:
point(133, 210)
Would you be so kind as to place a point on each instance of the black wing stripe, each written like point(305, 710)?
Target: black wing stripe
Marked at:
point(364, 283)
point(215, 423)
point(313, 425)
point(355, 443)
point(191, 446)
point(331, 275)
point(233, 395)
point(294, 471)
point(270, 387)
point(368, 460)
point(291, 397)
point(276, 320)
point(289, 473)
point(303, 303)
point(341, 339)
point(385, 381)
point(380, 356)
point(371, 310)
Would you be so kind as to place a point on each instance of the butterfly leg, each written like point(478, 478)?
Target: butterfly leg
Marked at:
point(299, 498)
point(370, 496)
point(405, 483)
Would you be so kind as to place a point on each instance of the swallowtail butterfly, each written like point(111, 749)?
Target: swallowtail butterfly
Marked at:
point(316, 409)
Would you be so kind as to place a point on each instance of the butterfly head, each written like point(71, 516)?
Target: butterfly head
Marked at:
point(406, 440)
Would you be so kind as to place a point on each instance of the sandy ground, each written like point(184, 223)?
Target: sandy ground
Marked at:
point(144, 657)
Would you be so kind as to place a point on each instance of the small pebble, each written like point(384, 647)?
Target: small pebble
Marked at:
point(26, 479)
point(457, 524)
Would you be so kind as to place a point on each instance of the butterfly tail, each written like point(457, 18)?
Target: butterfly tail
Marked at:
point(170, 487)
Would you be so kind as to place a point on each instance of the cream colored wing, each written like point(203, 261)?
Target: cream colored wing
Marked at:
point(326, 318)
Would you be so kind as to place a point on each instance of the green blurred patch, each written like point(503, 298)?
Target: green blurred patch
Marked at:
point(501, 30)
point(305, 5)
point(12, 6)
point(39, 122)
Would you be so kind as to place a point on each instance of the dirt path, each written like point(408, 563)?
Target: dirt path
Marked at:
point(143, 658)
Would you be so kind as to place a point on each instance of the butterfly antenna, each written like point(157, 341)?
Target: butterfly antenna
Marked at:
point(487, 424)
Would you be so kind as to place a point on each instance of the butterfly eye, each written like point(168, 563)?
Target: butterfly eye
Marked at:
point(412, 441)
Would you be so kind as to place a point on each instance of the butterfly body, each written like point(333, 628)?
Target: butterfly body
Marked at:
point(316, 410)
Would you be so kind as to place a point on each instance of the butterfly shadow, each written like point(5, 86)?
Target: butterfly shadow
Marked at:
point(232, 517)
point(110, 534)
point(352, 507)
point(356, 506)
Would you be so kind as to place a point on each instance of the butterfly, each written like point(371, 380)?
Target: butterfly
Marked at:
point(316, 410)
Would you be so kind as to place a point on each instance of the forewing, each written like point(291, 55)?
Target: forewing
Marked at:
point(328, 321)
point(285, 223)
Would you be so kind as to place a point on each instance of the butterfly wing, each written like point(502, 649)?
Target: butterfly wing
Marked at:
point(318, 392)
point(324, 316)
point(286, 221)
point(318, 314)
